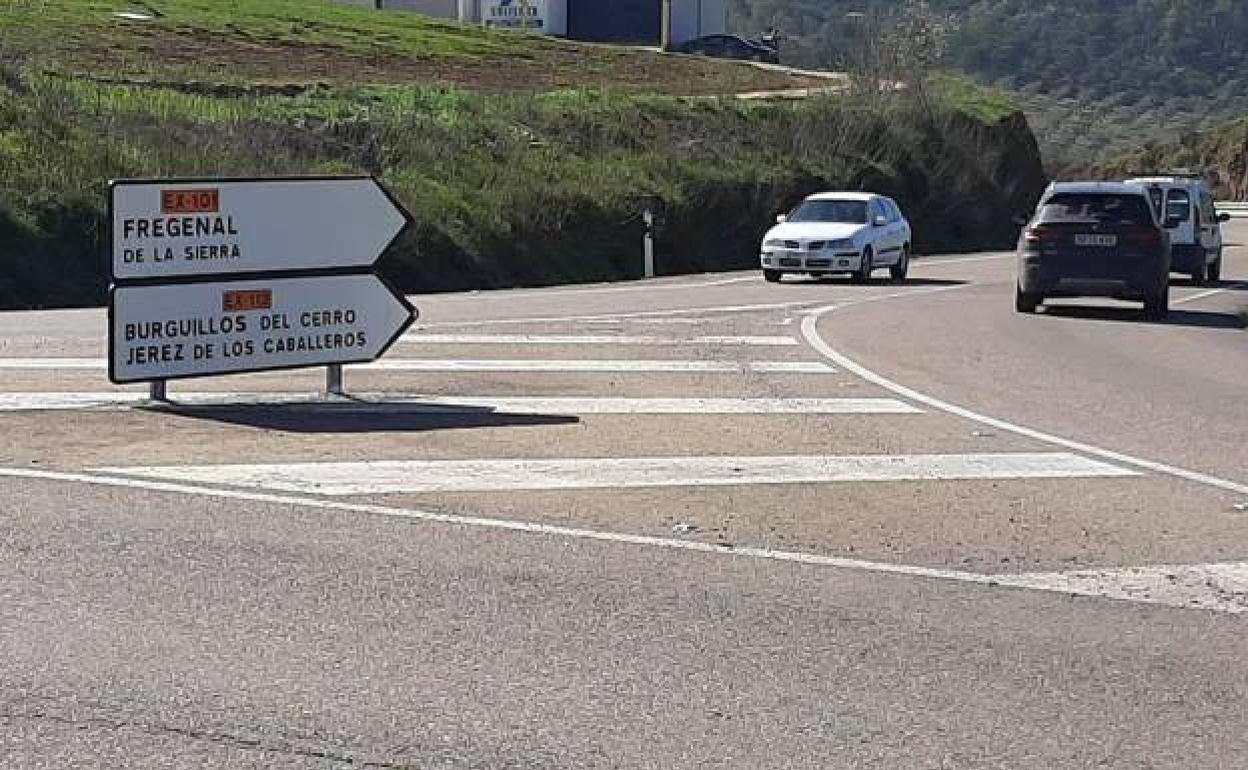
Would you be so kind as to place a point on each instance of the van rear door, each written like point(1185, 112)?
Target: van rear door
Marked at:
point(1180, 206)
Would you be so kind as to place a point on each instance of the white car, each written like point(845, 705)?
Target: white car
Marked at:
point(1183, 201)
point(839, 232)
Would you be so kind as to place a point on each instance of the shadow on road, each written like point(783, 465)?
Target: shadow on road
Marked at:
point(1226, 284)
point(1194, 318)
point(360, 417)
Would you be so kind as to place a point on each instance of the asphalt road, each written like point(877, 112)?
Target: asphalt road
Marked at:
point(695, 522)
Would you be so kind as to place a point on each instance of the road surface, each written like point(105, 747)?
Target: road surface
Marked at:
point(696, 522)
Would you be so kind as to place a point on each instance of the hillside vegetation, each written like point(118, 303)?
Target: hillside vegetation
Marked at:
point(522, 186)
point(1221, 153)
point(1096, 78)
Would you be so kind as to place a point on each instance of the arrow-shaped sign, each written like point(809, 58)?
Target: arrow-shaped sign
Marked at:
point(203, 228)
point(199, 329)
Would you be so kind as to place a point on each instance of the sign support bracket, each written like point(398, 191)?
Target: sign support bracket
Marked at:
point(159, 391)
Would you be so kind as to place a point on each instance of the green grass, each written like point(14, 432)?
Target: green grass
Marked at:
point(207, 43)
point(535, 184)
point(983, 103)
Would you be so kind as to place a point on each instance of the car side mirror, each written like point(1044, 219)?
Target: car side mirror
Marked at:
point(781, 219)
point(1224, 217)
point(881, 221)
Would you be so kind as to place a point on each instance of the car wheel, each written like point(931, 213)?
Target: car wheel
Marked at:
point(1157, 307)
point(771, 276)
point(863, 275)
point(898, 271)
point(1215, 270)
point(1024, 302)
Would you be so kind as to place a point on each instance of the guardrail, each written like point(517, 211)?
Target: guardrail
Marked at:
point(1237, 209)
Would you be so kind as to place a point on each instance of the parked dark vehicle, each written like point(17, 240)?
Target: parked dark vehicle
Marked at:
point(1094, 240)
point(731, 47)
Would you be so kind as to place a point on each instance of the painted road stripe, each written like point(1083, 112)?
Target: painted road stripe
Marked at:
point(1218, 587)
point(13, 402)
point(629, 316)
point(429, 476)
point(810, 330)
point(502, 365)
point(1210, 594)
point(595, 339)
point(599, 365)
point(54, 363)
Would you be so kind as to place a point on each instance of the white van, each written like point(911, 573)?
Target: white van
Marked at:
point(1185, 204)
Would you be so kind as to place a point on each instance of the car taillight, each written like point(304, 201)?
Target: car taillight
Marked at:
point(1040, 235)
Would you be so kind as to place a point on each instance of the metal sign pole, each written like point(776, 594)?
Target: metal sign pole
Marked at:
point(333, 380)
point(159, 391)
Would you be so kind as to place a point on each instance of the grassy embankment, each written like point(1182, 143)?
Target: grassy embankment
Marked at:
point(523, 160)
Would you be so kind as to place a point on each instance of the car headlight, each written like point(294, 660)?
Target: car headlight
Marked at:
point(773, 243)
point(841, 245)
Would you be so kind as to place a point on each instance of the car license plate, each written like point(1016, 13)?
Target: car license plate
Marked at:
point(1087, 239)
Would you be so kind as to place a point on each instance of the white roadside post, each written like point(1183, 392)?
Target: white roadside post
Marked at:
point(229, 276)
point(648, 241)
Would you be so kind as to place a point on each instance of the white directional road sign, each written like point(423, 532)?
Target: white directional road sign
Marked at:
point(163, 332)
point(203, 228)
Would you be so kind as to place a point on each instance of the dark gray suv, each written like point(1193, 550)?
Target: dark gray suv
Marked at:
point(1094, 239)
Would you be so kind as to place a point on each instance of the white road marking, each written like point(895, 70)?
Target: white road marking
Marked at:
point(810, 331)
point(630, 286)
point(429, 476)
point(936, 262)
point(695, 311)
point(54, 363)
point(1199, 296)
point(13, 402)
point(596, 339)
point(1217, 587)
point(501, 365)
point(1219, 601)
point(598, 365)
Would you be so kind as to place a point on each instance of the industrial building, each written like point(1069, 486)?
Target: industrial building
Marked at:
point(604, 21)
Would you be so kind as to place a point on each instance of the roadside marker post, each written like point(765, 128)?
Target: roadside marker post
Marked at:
point(227, 276)
point(648, 245)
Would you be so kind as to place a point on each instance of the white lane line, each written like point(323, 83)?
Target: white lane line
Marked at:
point(596, 339)
point(53, 363)
point(926, 262)
point(1217, 587)
point(630, 286)
point(432, 476)
point(598, 365)
point(502, 365)
point(1199, 296)
point(1043, 583)
point(810, 331)
point(537, 405)
point(694, 311)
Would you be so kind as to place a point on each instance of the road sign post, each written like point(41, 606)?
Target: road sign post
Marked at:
point(229, 276)
point(333, 380)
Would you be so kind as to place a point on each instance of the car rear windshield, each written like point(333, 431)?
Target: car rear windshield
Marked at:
point(1096, 208)
point(846, 212)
